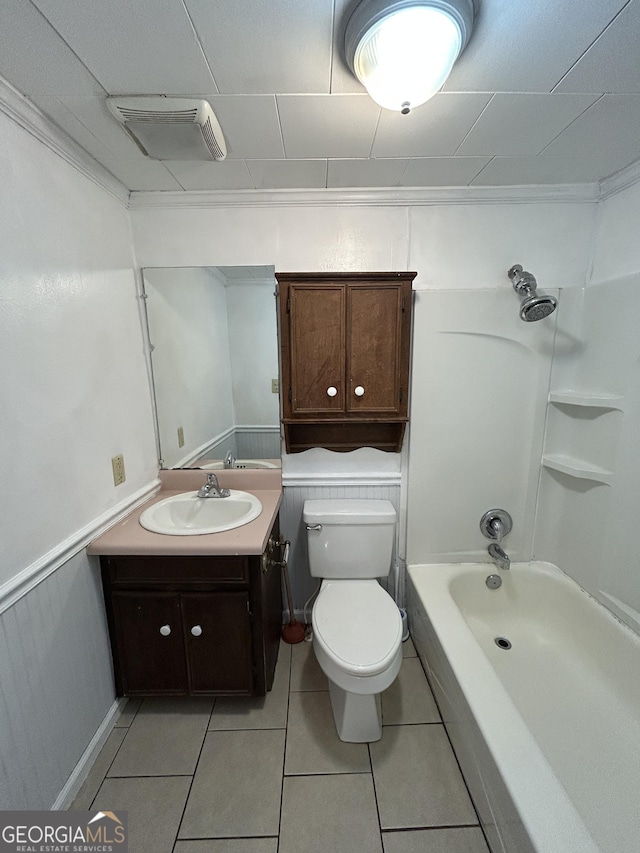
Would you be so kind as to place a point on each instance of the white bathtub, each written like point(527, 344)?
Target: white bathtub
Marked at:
point(548, 732)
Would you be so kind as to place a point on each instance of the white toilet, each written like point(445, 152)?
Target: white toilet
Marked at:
point(357, 627)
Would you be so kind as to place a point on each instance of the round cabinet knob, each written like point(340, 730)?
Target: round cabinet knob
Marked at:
point(165, 630)
point(332, 391)
point(196, 630)
point(358, 390)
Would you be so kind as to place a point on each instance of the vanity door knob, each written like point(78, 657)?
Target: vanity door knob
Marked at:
point(196, 630)
point(165, 630)
point(332, 391)
point(358, 390)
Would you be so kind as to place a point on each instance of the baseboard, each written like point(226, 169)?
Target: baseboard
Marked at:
point(80, 772)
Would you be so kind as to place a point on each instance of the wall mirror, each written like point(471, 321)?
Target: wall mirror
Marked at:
point(214, 359)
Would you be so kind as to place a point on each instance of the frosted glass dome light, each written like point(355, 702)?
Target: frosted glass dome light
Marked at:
point(402, 52)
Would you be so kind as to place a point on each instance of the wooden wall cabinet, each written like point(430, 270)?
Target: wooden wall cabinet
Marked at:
point(194, 625)
point(345, 348)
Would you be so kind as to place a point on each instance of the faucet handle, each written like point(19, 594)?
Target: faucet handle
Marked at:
point(496, 524)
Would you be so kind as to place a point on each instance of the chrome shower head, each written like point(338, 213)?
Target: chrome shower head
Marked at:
point(533, 307)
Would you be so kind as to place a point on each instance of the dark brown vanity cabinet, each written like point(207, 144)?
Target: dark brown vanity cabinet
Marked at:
point(194, 625)
point(345, 351)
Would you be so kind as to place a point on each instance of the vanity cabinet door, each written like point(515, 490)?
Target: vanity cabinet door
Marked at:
point(149, 640)
point(217, 639)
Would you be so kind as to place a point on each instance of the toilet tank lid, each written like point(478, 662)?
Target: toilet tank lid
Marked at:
point(348, 511)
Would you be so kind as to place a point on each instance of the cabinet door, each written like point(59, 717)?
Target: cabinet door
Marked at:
point(149, 642)
point(317, 349)
point(375, 349)
point(217, 638)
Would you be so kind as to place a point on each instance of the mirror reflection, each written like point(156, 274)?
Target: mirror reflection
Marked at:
point(214, 358)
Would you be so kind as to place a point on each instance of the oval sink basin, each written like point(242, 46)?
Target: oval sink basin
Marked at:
point(188, 515)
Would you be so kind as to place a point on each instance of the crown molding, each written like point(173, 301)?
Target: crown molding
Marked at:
point(620, 181)
point(385, 197)
point(27, 116)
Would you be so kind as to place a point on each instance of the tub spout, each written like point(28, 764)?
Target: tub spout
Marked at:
point(499, 557)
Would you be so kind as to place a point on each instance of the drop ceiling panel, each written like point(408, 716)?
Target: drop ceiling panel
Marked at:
point(342, 80)
point(255, 47)
point(520, 46)
point(435, 129)
point(507, 171)
point(287, 174)
point(327, 125)
point(141, 47)
point(142, 174)
point(93, 113)
point(612, 63)
point(225, 175)
point(35, 59)
point(518, 125)
point(365, 173)
point(612, 124)
point(65, 119)
point(250, 126)
point(442, 171)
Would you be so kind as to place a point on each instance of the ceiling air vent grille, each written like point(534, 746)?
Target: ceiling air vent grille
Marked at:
point(171, 128)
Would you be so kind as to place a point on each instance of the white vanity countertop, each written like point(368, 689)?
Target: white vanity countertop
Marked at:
point(129, 537)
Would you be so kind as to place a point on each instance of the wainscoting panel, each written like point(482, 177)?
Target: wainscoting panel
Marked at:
point(56, 683)
point(292, 526)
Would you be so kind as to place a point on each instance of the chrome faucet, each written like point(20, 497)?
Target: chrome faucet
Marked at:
point(496, 524)
point(499, 557)
point(211, 489)
point(230, 460)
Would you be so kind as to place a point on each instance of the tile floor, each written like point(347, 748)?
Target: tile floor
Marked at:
point(270, 775)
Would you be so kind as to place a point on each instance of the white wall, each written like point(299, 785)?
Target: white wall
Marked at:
point(588, 522)
point(187, 310)
point(74, 393)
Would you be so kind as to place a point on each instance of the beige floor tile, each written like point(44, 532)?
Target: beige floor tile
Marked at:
point(255, 712)
point(329, 814)
point(409, 699)
point(284, 652)
point(305, 669)
point(98, 771)
point(408, 649)
point(154, 806)
point(130, 710)
point(237, 786)
point(165, 737)
point(418, 783)
point(458, 840)
point(313, 745)
point(228, 845)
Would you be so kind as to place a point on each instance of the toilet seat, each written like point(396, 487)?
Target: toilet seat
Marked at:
point(358, 626)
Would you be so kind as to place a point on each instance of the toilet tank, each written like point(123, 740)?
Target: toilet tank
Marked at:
point(354, 540)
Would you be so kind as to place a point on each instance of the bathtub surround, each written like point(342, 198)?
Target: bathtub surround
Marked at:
point(75, 392)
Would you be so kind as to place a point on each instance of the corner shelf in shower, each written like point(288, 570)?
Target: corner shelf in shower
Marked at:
point(577, 468)
point(606, 402)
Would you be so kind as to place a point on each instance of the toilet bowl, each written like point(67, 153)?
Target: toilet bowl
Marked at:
point(357, 627)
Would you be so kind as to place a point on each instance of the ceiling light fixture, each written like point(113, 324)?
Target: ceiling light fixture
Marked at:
point(403, 51)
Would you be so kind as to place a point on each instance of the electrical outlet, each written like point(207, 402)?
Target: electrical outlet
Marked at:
point(275, 386)
point(117, 463)
point(180, 437)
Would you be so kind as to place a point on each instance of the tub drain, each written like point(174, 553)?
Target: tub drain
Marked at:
point(502, 643)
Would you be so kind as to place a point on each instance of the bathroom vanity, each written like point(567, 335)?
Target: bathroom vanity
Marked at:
point(195, 614)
